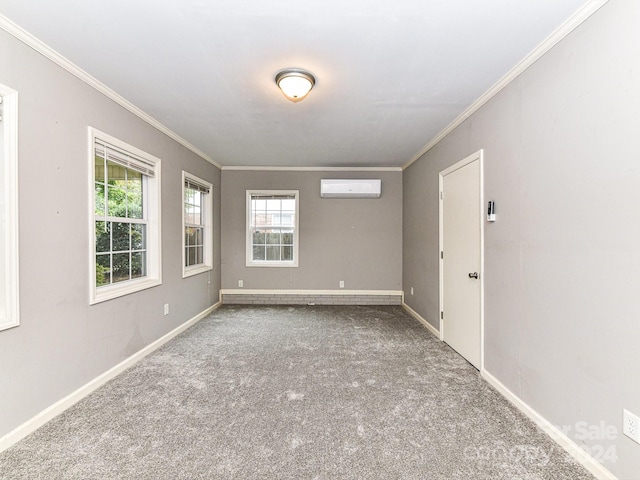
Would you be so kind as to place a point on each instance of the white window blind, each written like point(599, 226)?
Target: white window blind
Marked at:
point(114, 154)
point(193, 185)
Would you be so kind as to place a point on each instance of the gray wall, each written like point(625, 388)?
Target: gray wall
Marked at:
point(63, 342)
point(562, 260)
point(355, 240)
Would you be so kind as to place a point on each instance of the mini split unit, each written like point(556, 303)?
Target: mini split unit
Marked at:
point(350, 188)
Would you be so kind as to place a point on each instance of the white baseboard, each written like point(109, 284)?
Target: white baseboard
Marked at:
point(246, 291)
point(586, 460)
point(60, 406)
point(422, 320)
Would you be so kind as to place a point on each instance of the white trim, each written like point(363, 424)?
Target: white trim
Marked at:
point(10, 316)
point(63, 404)
point(73, 69)
point(311, 169)
point(477, 156)
point(561, 32)
point(243, 291)
point(207, 264)
point(249, 262)
point(587, 461)
point(153, 216)
point(422, 320)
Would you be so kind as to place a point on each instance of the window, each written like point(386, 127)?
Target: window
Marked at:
point(125, 218)
point(9, 295)
point(197, 220)
point(272, 228)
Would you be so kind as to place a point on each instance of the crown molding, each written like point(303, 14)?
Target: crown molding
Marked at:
point(312, 169)
point(40, 47)
point(561, 32)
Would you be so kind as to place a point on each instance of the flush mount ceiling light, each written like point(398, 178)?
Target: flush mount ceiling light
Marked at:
point(295, 83)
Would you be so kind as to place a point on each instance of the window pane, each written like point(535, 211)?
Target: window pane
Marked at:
point(261, 220)
point(116, 173)
point(273, 205)
point(258, 238)
point(273, 253)
point(120, 270)
point(199, 257)
point(120, 236)
point(103, 269)
point(259, 205)
point(196, 216)
point(199, 236)
point(99, 199)
point(191, 255)
point(287, 253)
point(286, 218)
point(99, 169)
point(273, 238)
point(117, 202)
point(138, 264)
point(190, 236)
point(258, 253)
point(134, 194)
point(287, 238)
point(289, 204)
point(138, 236)
point(188, 213)
point(103, 236)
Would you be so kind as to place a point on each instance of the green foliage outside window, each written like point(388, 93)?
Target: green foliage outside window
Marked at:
point(120, 242)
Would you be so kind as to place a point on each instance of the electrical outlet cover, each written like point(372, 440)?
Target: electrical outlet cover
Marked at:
point(631, 425)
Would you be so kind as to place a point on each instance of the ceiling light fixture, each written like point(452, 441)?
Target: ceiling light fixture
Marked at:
point(295, 83)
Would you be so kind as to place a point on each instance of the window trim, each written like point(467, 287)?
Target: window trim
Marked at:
point(249, 241)
point(207, 265)
point(152, 208)
point(10, 314)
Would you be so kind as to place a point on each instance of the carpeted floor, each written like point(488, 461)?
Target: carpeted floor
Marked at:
point(294, 393)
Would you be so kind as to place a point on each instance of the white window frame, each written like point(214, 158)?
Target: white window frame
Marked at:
point(249, 239)
point(152, 214)
point(207, 218)
point(9, 268)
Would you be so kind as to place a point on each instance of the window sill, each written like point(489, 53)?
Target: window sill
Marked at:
point(6, 324)
point(191, 271)
point(102, 294)
point(273, 264)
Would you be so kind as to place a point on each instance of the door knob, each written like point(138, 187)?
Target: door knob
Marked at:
point(473, 275)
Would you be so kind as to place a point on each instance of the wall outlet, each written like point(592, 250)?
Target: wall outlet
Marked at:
point(341, 283)
point(166, 309)
point(411, 290)
point(631, 425)
point(240, 283)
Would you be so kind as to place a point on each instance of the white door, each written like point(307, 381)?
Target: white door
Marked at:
point(461, 258)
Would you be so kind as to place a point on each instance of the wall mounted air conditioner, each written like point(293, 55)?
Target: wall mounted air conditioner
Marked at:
point(350, 188)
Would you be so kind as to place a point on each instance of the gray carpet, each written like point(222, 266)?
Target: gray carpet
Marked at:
point(294, 393)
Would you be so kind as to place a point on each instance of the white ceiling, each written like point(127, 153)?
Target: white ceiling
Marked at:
point(391, 74)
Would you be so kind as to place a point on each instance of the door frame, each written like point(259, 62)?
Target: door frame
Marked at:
point(477, 156)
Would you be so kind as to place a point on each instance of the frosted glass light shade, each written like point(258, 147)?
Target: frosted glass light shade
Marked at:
point(295, 84)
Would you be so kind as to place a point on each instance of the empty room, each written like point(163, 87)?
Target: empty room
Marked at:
point(302, 240)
